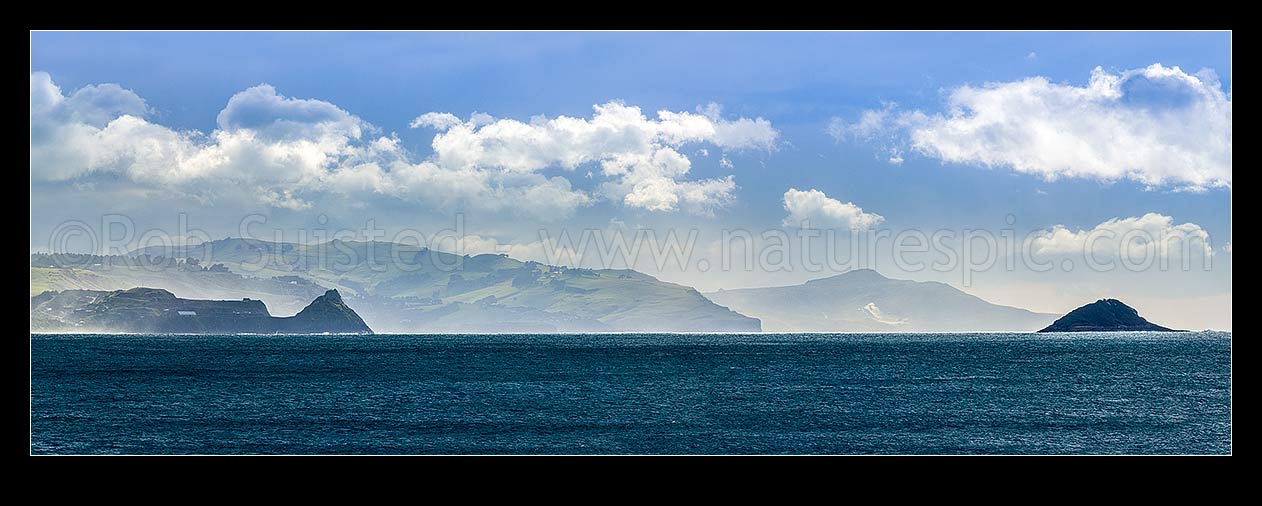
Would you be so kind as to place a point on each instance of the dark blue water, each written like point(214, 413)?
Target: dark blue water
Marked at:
point(641, 394)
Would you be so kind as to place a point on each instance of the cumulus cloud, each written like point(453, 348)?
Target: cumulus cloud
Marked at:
point(272, 116)
point(436, 120)
point(69, 140)
point(1135, 238)
point(267, 142)
point(1157, 125)
point(639, 154)
point(288, 151)
point(95, 105)
point(815, 208)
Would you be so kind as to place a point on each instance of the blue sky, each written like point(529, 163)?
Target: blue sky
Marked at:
point(799, 83)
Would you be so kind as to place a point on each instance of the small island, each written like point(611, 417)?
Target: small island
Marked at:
point(1104, 315)
point(151, 310)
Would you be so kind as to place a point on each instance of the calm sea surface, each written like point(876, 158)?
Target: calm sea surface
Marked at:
point(632, 393)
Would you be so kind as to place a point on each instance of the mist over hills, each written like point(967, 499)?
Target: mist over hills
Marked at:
point(283, 294)
point(403, 288)
point(863, 300)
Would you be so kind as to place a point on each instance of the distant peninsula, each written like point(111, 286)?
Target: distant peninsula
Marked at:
point(863, 300)
point(1104, 315)
point(403, 288)
point(152, 310)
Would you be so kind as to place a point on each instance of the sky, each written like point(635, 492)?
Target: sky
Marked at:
point(1102, 154)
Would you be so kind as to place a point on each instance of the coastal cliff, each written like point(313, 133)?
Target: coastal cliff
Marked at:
point(151, 310)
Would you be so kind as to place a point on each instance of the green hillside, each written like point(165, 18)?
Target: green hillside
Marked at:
point(402, 288)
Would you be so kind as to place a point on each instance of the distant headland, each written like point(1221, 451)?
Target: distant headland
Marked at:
point(152, 310)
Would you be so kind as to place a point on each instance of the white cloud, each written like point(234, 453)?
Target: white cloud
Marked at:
point(816, 209)
point(288, 152)
point(1157, 125)
point(473, 244)
point(262, 110)
point(1136, 238)
point(1032, 56)
point(882, 128)
point(268, 143)
point(549, 251)
point(640, 155)
point(871, 124)
point(436, 120)
point(95, 105)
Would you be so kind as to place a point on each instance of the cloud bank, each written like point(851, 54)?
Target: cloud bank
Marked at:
point(1157, 125)
point(288, 152)
point(1151, 236)
point(640, 156)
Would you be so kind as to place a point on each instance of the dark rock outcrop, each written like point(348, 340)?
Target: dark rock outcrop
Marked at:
point(327, 313)
point(1104, 315)
point(150, 310)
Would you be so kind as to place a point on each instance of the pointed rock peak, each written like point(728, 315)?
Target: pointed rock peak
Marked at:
point(328, 313)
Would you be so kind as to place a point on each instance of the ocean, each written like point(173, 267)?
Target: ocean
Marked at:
point(1108, 393)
